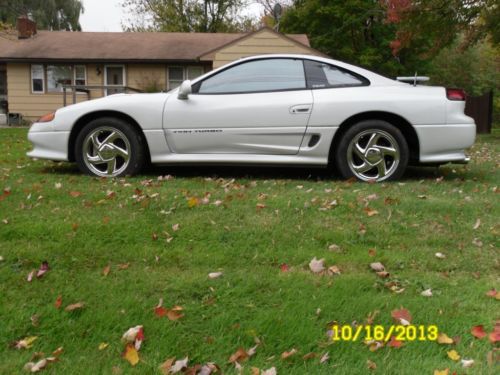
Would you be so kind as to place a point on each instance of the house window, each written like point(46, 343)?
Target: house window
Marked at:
point(175, 77)
point(37, 79)
point(57, 76)
point(177, 74)
point(80, 75)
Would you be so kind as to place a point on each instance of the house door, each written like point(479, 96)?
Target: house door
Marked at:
point(114, 75)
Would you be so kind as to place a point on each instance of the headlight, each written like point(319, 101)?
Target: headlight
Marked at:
point(47, 118)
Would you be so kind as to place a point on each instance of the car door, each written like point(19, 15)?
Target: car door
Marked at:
point(256, 107)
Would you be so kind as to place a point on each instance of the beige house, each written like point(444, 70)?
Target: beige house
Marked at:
point(37, 69)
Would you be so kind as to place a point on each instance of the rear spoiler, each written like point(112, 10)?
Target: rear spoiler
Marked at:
point(415, 79)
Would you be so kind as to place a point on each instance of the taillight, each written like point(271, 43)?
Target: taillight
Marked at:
point(455, 94)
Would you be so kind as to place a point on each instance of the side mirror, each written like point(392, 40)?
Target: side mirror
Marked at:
point(184, 90)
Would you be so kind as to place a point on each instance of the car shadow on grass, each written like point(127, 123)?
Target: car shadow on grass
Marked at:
point(448, 172)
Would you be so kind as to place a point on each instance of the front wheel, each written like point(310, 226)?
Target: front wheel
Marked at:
point(372, 150)
point(109, 147)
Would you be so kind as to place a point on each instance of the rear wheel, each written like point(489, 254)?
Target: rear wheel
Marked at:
point(372, 150)
point(109, 147)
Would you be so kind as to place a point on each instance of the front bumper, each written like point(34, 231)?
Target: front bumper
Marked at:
point(48, 143)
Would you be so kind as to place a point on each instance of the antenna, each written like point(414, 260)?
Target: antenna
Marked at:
point(277, 10)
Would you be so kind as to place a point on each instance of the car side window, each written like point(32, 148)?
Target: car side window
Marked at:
point(321, 75)
point(256, 76)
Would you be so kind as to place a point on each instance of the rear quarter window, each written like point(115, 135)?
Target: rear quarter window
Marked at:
point(322, 75)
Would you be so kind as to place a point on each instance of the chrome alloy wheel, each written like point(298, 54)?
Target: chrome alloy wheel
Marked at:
point(106, 151)
point(373, 155)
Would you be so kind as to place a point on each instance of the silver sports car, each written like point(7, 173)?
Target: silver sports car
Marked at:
point(266, 110)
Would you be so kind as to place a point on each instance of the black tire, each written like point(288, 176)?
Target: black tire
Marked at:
point(386, 159)
point(110, 147)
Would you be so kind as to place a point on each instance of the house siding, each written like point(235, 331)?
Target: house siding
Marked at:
point(32, 106)
point(263, 42)
point(146, 77)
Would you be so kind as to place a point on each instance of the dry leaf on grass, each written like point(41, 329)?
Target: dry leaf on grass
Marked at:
point(179, 365)
point(131, 354)
point(453, 355)
point(377, 267)
point(401, 316)
point(75, 306)
point(444, 339)
point(214, 275)
point(426, 293)
point(58, 302)
point(106, 270)
point(478, 332)
point(288, 354)
point(25, 343)
point(467, 363)
point(317, 265)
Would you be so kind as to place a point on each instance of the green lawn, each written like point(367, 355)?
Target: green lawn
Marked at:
point(246, 223)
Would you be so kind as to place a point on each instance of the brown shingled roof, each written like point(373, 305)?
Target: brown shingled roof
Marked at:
point(118, 46)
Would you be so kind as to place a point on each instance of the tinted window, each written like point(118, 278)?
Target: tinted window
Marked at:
point(257, 76)
point(320, 75)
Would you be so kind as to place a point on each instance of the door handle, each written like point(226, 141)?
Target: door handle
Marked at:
point(300, 109)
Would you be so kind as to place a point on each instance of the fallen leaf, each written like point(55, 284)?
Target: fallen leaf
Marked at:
point(288, 354)
point(316, 265)
point(442, 372)
point(444, 339)
point(477, 224)
point(401, 316)
point(131, 334)
point(477, 242)
point(239, 356)
point(440, 255)
point(333, 270)
point(193, 202)
point(493, 293)
point(30, 276)
point(467, 363)
point(308, 356)
point(478, 332)
point(175, 313)
point(369, 212)
point(179, 365)
point(36, 367)
point(75, 306)
point(176, 227)
point(123, 266)
point(334, 247)
point(75, 194)
point(103, 345)
point(383, 274)
point(372, 252)
point(25, 343)
point(131, 354)
point(371, 365)
point(494, 336)
point(214, 275)
point(269, 371)
point(58, 302)
point(426, 293)
point(43, 269)
point(106, 270)
point(324, 358)
point(377, 267)
point(167, 365)
point(284, 267)
point(395, 343)
point(453, 355)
